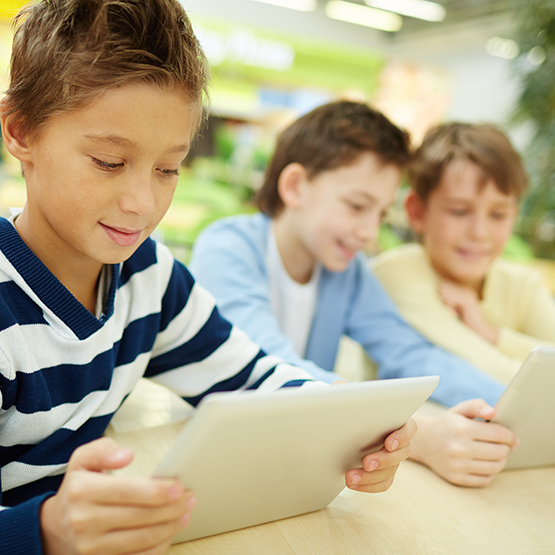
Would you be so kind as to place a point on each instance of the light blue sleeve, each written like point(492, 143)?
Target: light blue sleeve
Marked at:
point(400, 351)
point(228, 262)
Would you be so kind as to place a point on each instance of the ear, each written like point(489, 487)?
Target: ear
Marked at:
point(14, 140)
point(416, 212)
point(290, 182)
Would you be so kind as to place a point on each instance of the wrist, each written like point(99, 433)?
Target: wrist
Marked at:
point(489, 333)
point(482, 327)
point(47, 535)
point(418, 442)
point(494, 337)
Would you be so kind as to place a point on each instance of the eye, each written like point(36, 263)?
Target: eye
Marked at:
point(458, 211)
point(106, 166)
point(498, 215)
point(169, 173)
point(355, 206)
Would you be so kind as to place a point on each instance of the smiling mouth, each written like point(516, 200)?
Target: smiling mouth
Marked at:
point(121, 236)
point(472, 255)
point(347, 251)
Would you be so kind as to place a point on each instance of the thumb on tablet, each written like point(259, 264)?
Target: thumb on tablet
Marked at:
point(99, 455)
point(475, 408)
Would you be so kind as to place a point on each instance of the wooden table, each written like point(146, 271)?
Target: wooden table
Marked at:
point(420, 515)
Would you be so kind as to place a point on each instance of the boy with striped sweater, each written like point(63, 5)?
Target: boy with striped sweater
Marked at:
point(103, 103)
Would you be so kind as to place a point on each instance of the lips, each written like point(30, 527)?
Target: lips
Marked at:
point(470, 254)
point(121, 236)
point(348, 252)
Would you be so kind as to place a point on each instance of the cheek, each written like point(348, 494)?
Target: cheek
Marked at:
point(503, 233)
point(164, 197)
point(445, 231)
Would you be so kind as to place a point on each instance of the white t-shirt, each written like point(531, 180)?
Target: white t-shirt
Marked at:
point(293, 303)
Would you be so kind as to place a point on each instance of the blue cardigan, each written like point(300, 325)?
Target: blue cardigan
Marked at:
point(229, 259)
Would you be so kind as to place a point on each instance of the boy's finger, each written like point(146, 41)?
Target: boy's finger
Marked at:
point(402, 437)
point(495, 433)
point(474, 480)
point(488, 451)
point(383, 459)
point(107, 489)
point(370, 482)
point(475, 408)
point(140, 540)
point(486, 468)
point(99, 455)
point(109, 518)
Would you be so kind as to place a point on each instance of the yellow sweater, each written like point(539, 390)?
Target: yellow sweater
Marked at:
point(515, 300)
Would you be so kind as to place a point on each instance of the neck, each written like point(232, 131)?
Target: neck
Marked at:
point(78, 274)
point(295, 257)
point(479, 287)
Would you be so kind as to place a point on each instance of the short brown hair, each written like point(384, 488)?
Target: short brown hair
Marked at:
point(484, 144)
point(327, 138)
point(65, 52)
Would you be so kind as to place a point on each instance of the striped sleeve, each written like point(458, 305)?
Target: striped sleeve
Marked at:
point(198, 352)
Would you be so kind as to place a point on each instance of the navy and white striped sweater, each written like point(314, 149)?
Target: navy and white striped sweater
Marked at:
point(64, 372)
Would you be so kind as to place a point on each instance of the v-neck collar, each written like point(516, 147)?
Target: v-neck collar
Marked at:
point(49, 289)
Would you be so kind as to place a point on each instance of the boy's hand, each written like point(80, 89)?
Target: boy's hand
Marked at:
point(94, 512)
point(379, 468)
point(460, 449)
point(465, 302)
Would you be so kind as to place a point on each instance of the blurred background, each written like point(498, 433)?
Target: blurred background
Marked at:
point(419, 62)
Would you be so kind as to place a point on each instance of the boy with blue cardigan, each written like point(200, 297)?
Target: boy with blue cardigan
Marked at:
point(293, 278)
point(104, 100)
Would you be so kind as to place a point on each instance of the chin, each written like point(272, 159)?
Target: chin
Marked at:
point(118, 257)
point(468, 281)
point(337, 266)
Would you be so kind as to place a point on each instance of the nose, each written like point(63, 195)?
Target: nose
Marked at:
point(368, 227)
point(137, 196)
point(479, 226)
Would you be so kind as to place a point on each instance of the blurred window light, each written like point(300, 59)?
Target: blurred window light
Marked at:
point(420, 9)
point(299, 5)
point(363, 15)
point(502, 48)
point(244, 47)
point(537, 56)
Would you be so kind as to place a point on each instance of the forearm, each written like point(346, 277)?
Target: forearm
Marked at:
point(459, 381)
point(478, 323)
point(518, 345)
point(447, 331)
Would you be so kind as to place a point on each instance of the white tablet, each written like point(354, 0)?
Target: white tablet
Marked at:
point(254, 457)
point(528, 408)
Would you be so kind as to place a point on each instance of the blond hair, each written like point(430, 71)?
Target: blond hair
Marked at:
point(66, 52)
point(483, 144)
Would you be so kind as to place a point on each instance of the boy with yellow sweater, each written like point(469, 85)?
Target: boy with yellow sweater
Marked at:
point(466, 183)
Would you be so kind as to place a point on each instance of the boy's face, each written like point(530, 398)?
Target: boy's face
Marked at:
point(464, 224)
point(100, 178)
point(340, 210)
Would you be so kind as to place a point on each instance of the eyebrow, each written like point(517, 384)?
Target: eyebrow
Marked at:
point(462, 200)
point(116, 140)
point(365, 195)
